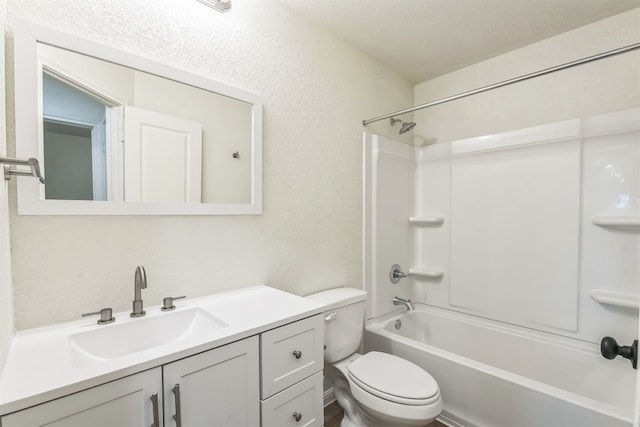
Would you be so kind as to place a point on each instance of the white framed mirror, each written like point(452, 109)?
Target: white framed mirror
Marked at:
point(118, 134)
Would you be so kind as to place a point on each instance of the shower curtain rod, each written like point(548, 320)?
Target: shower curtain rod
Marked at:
point(509, 82)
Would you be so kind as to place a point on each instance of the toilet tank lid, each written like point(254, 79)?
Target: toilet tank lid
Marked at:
point(338, 297)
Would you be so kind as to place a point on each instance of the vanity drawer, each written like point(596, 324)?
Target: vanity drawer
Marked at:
point(299, 405)
point(291, 353)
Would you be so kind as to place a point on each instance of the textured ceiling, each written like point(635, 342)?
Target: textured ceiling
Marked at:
point(422, 39)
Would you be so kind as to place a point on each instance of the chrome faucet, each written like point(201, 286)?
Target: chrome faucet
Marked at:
point(140, 283)
point(401, 301)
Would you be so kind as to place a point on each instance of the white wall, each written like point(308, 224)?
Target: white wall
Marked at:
point(6, 298)
point(316, 91)
point(608, 85)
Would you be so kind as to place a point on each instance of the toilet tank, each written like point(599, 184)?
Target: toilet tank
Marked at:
point(343, 321)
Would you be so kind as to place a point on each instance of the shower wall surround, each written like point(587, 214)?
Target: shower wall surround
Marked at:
point(315, 90)
point(388, 190)
point(529, 235)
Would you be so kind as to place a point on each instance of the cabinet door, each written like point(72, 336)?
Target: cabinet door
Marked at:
point(124, 402)
point(219, 387)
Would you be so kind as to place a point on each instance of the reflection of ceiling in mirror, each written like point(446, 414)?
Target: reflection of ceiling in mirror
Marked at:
point(226, 122)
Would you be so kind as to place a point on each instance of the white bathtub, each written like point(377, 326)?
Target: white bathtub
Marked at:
point(500, 376)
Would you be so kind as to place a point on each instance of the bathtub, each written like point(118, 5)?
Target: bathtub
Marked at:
point(497, 375)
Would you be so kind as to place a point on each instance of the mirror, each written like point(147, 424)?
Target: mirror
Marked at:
point(119, 134)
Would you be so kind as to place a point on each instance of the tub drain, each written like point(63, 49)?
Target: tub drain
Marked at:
point(398, 324)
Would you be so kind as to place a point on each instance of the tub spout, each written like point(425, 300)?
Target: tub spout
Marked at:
point(401, 301)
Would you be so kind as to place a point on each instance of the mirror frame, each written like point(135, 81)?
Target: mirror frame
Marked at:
point(29, 128)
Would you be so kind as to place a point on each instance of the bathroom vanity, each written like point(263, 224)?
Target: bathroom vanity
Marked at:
point(243, 358)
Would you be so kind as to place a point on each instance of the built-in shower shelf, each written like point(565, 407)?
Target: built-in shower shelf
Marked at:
point(427, 272)
point(619, 299)
point(426, 220)
point(616, 220)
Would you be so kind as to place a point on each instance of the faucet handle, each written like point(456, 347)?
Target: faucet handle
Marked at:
point(396, 273)
point(106, 315)
point(167, 303)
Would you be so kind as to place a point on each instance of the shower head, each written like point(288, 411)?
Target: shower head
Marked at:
point(405, 126)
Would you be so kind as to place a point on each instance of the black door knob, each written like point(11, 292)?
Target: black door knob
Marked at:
point(610, 349)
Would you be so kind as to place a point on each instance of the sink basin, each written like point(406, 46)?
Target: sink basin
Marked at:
point(118, 340)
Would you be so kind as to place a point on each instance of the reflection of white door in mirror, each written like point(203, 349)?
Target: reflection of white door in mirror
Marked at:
point(162, 157)
point(74, 139)
point(67, 160)
point(230, 119)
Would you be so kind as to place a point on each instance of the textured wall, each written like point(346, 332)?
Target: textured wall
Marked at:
point(608, 85)
point(6, 301)
point(316, 90)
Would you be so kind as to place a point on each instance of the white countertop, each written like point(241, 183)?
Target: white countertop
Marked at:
point(39, 367)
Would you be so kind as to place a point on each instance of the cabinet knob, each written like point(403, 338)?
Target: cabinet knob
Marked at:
point(297, 416)
point(297, 354)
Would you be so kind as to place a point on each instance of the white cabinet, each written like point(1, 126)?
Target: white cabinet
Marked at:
point(292, 361)
point(219, 387)
point(124, 402)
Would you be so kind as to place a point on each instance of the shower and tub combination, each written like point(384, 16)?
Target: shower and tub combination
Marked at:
point(499, 263)
point(519, 252)
point(522, 253)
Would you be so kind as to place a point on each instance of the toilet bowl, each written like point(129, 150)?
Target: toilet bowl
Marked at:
point(375, 388)
point(389, 390)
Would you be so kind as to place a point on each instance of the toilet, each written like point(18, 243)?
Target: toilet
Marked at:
point(373, 389)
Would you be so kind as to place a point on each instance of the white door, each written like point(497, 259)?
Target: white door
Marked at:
point(162, 157)
point(218, 388)
point(125, 402)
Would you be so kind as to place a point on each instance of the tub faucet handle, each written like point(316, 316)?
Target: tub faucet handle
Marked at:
point(396, 273)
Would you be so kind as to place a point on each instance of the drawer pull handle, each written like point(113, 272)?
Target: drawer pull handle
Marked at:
point(178, 415)
point(297, 416)
point(156, 413)
point(297, 354)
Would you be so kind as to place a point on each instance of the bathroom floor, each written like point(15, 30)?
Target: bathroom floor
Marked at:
point(333, 415)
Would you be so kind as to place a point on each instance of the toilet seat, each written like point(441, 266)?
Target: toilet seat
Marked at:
point(393, 379)
point(392, 390)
